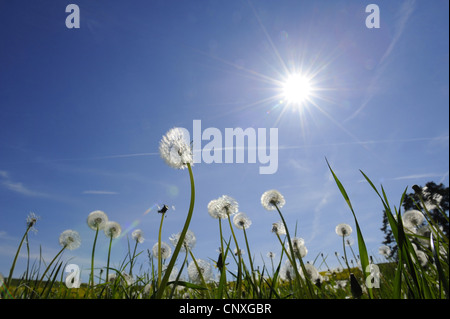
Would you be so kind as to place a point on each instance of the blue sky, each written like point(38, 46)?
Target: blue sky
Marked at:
point(83, 111)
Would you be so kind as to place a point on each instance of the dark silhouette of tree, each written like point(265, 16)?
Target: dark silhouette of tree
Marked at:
point(434, 197)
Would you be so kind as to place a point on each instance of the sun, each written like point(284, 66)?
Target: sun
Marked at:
point(297, 89)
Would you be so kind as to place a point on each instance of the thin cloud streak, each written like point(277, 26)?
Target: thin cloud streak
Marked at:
point(99, 192)
point(407, 140)
point(405, 12)
point(18, 187)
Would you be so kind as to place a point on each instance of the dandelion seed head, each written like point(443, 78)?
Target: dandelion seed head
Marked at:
point(287, 271)
point(112, 229)
point(384, 251)
point(272, 199)
point(204, 270)
point(97, 219)
point(223, 207)
point(412, 219)
point(213, 211)
point(311, 271)
point(70, 239)
point(422, 257)
point(189, 240)
point(298, 245)
point(241, 221)
point(175, 148)
point(112, 277)
point(32, 218)
point(238, 252)
point(166, 251)
point(271, 255)
point(278, 228)
point(349, 241)
point(127, 279)
point(138, 236)
point(343, 230)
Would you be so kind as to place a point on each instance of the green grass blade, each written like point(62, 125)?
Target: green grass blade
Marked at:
point(443, 280)
point(364, 257)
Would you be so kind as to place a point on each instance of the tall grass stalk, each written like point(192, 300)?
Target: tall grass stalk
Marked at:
point(364, 257)
point(48, 267)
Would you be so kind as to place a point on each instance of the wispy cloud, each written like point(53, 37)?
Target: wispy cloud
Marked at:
point(404, 13)
point(368, 142)
point(417, 176)
point(413, 176)
point(100, 192)
point(18, 187)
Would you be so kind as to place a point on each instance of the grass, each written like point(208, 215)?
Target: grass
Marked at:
point(287, 277)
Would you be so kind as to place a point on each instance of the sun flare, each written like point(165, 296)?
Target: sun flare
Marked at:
point(297, 89)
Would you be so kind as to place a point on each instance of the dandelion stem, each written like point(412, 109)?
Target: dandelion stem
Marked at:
point(132, 259)
point(293, 262)
point(181, 239)
point(239, 281)
point(249, 257)
point(17, 255)
point(109, 255)
point(159, 250)
point(222, 266)
point(345, 254)
point(91, 279)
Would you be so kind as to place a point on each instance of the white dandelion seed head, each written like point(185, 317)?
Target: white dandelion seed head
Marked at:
point(173, 274)
point(412, 219)
point(340, 284)
point(238, 252)
point(298, 245)
point(166, 251)
point(204, 270)
point(287, 271)
point(112, 229)
point(311, 271)
point(422, 257)
point(224, 206)
point(70, 239)
point(138, 236)
point(31, 220)
point(271, 255)
point(241, 221)
point(349, 241)
point(343, 230)
point(272, 199)
point(112, 277)
point(175, 148)
point(127, 279)
point(278, 228)
point(213, 211)
point(189, 240)
point(97, 219)
point(384, 251)
point(431, 201)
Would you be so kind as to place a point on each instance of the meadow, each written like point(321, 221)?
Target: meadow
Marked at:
point(421, 270)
